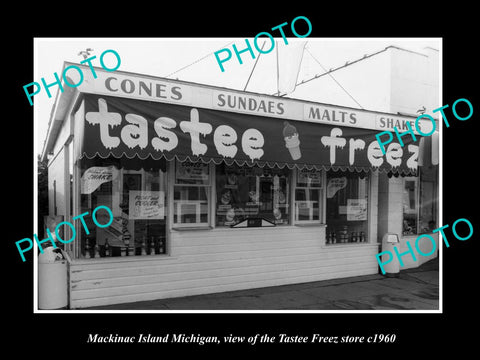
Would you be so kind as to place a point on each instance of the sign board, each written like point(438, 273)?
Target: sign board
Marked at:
point(198, 135)
point(191, 171)
point(95, 176)
point(143, 87)
point(312, 178)
point(146, 205)
point(356, 209)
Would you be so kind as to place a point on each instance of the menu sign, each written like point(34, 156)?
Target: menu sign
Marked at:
point(309, 177)
point(188, 171)
point(146, 205)
point(356, 209)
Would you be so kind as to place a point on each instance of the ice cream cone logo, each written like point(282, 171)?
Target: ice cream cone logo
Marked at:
point(292, 140)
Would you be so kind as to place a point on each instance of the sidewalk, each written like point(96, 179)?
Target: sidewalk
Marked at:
point(413, 289)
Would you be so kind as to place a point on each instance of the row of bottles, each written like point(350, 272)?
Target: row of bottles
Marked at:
point(152, 246)
point(345, 237)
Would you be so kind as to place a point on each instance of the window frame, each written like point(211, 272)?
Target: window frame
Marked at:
point(208, 186)
point(321, 201)
point(214, 198)
point(117, 193)
point(370, 189)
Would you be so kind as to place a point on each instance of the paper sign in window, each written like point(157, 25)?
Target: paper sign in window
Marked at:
point(146, 205)
point(334, 185)
point(356, 209)
point(96, 176)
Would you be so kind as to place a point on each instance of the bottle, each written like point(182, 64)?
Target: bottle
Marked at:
point(152, 247)
point(127, 244)
point(334, 238)
point(87, 249)
point(144, 246)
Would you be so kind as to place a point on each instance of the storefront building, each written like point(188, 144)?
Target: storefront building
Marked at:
point(216, 190)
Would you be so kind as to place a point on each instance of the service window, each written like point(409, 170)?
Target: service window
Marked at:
point(191, 194)
point(308, 196)
point(251, 192)
point(347, 207)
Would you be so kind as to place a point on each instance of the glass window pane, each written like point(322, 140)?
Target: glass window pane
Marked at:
point(249, 192)
point(190, 204)
point(307, 204)
point(410, 211)
point(145, 219)
point(308, 195)
point(347, 207)
point(428, 207)
point(138, 203)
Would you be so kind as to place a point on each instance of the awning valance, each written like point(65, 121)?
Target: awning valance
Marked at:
point(131, 128)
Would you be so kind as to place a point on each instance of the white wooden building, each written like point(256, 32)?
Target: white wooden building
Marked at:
point(227, 204)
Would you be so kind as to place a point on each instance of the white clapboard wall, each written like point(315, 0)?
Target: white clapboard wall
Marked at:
point(219, 260)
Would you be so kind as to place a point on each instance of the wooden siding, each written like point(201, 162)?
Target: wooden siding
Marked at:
point(56, 172)
point(218, 260)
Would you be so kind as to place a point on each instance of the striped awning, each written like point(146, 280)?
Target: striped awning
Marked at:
point(138, 129)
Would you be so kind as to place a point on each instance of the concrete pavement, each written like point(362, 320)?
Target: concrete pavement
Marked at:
point(413, 289)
